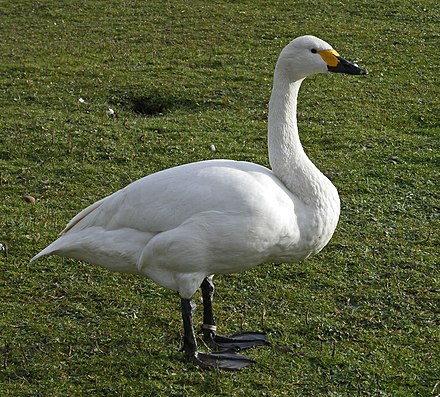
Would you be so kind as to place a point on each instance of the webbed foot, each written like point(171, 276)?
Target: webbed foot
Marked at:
point(239, 341)
point(220, 360)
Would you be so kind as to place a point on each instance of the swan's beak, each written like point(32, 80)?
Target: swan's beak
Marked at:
point(337, 64)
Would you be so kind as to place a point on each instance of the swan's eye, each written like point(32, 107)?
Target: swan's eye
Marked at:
point(313, 50)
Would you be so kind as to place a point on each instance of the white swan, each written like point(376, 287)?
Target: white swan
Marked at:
point(182, 225)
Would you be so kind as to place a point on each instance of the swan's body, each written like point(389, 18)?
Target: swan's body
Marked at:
point(183, 224)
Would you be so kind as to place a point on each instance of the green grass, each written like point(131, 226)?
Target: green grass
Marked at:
point(359, 319)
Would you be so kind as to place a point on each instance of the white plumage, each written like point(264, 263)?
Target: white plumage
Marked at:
point(183, 224)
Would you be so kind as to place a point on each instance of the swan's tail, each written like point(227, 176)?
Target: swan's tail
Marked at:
point(50, 249)
point(63, 246)
point(117, 250)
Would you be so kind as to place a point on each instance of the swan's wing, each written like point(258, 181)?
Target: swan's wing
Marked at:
point(81, 215)
point(114, 231)
point(164, 200)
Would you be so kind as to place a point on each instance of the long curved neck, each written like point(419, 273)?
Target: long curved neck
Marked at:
point(287, 158)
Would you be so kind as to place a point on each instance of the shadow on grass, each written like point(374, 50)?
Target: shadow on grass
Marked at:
point(149, 104)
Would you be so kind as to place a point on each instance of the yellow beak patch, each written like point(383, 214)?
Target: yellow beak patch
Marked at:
point(329, 56)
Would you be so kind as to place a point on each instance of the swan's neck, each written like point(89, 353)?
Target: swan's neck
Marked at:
point(287, 158)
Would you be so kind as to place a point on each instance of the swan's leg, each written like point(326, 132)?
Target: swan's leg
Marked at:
point(208, 315)
point(242, 340)
point(220, 360)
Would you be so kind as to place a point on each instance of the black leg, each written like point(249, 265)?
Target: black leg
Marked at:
point(242, 340)
point(220, 360)
point(189, 339)
point(208, 327)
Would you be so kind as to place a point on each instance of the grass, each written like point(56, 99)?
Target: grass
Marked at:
point(359, 319)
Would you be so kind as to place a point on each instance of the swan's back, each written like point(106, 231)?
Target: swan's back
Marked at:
point(162, 201)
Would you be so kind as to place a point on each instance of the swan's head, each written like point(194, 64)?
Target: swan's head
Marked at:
point(307, 55)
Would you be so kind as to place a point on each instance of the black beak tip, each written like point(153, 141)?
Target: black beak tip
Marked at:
point(361, 71)
point(347, 67)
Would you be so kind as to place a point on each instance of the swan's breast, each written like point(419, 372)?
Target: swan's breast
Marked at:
point(312, 228)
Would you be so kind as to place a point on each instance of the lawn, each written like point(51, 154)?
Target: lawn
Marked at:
point(359, 319)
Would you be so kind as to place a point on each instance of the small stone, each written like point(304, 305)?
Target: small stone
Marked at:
point(28, 199)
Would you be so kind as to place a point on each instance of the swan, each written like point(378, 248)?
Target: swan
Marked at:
point(182, 225)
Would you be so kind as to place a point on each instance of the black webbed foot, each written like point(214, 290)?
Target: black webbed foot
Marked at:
point(220, 360)
point(239, 341)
